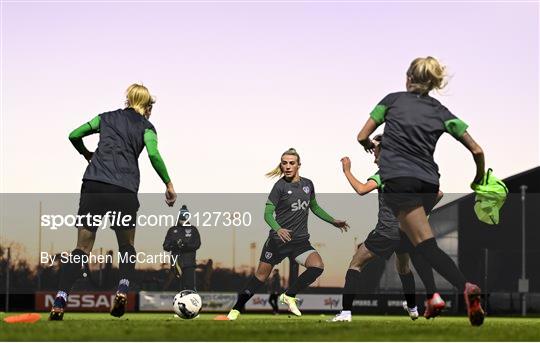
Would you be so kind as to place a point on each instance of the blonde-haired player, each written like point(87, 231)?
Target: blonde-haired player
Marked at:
point(414, 122)
point(110, 186)
point(291, 199)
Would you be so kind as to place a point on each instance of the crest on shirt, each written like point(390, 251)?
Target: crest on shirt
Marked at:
point(306, 189)
point(268, 255)
point(289, 192)
point(188, 231)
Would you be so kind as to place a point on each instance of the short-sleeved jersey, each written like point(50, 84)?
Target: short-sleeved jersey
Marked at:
point(121, 141)
point(291, 200)
point(414, 124)
point(387, 225)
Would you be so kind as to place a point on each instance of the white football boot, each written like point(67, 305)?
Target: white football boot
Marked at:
point(413, 312)
point(343, 316)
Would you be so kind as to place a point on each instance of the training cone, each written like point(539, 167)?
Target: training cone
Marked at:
point(221, 317)
point(23, 318)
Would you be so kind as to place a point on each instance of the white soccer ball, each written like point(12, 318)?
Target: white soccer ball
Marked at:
point(187, 304)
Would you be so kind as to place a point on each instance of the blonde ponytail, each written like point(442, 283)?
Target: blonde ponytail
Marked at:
point(426, 74)
point(274, 172)
point(277, 172)
point(138, 98)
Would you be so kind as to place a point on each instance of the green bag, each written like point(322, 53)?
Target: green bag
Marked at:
point(490, 197)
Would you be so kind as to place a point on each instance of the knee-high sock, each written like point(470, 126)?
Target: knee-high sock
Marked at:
point(425, 272)
point(188, 278)
point(71, 271)
point(304, 280)
point(352, 282)
point(442, 263)
point(407, 281)
point(243, 297)
point(126, 266)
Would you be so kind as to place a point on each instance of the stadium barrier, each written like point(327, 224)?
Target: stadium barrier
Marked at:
point(223, 302)
point(498, 303)
point(84, 301)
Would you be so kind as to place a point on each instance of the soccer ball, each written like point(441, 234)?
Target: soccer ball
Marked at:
point(187, 304)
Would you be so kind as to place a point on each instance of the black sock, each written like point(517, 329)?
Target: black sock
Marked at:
point(407, 281)
point(71, 271)
point(425, 272)
point(127, 264)
point(352, 281)
point(442, 263)
point(243, 297)
point(188, 278)
point(304, 280)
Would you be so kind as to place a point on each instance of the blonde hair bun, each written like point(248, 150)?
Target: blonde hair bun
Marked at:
point(138, 97)
point(426, 74)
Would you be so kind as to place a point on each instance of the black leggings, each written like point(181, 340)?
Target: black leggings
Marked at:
point(273, 301)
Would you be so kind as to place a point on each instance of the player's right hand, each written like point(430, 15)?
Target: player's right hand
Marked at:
point(88, 156)
point(346, 164)
point(284, 235)
point(368, 145)
point(170, 195)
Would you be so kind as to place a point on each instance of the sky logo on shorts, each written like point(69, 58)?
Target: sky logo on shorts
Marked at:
point(299, 205)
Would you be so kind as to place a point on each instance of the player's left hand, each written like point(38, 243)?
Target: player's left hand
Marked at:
point(341, 224)
point(170, 195)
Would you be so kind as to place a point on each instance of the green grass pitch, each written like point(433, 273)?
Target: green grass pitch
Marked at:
point(252, 327)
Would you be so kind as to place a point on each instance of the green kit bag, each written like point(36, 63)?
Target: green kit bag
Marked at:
point(490, 197)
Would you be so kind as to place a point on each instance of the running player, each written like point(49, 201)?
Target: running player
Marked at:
point(110, 186)
point(291, 199)
point(383, 241)
point(414, 122)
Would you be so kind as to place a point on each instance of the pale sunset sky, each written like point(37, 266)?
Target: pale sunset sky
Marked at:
point(238, 83)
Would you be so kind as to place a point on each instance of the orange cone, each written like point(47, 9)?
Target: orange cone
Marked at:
point(23, 318)
point(221, 317)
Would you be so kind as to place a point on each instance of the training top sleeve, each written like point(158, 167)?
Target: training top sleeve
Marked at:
point(319, 212)
point(379, 112)
point(271, 204)
point(84, 130)
point(275, 193)
point(377, 178)
point(269, 210)
point(149, 126)
point(452, 124)
point(150, 141)
point(316, 209)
